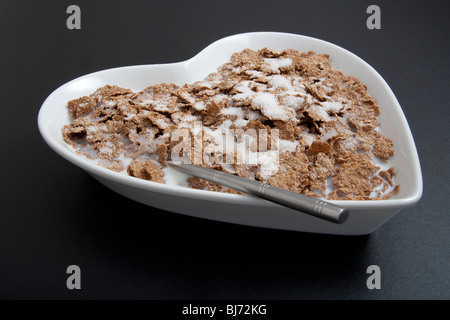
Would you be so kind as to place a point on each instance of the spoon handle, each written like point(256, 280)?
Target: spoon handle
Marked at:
point(300, 202)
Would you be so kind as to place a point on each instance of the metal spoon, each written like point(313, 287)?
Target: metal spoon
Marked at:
point(316, 207)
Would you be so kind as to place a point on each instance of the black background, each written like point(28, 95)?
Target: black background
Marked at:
point(54, 215)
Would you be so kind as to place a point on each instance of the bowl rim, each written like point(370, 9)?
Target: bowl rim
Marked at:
point(181, 191)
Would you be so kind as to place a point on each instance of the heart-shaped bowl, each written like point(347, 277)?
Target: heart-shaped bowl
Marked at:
point(365, 216)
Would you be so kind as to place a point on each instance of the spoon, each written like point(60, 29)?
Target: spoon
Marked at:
point(312, 206)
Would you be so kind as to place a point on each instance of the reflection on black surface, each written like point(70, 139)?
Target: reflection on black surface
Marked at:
point(202, 255)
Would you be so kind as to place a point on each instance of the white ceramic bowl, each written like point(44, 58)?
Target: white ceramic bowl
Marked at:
point(365, 216)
